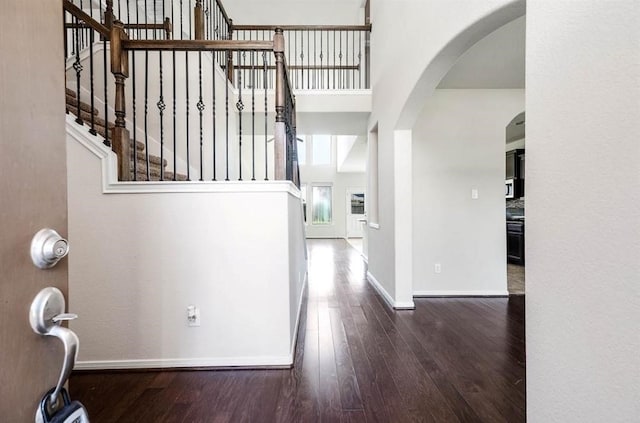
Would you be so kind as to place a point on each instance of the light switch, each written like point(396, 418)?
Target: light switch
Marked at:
point(474, 194)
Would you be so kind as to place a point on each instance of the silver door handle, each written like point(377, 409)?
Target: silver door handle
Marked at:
point(46, 315)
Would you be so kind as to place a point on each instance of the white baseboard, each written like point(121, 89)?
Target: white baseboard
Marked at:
point(488, 293)
point(396, 305)
point(169, 363)
point(295, 332)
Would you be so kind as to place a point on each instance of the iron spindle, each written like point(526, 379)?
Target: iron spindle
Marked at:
point(213, 111)
point(77, 66)
point(226, 108)
point(175, 131)
point(135, 132)
point(266, 141)
point(161, 106)
point(146, 113)
point(93, 116)
point(253, 117)
point(200, 107)
point(106, 100)
point(186, 59)
point(240, 107)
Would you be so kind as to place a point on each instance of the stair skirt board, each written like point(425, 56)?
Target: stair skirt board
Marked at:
point(283, 362)
point(488, 293)
point(396, 305)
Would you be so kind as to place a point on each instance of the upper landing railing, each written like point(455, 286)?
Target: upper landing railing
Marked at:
point(319, 57)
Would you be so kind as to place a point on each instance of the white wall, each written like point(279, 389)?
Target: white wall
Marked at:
point(143, 252)
point(458, 145)
point(583, 202)
point(292, 12)
point(431, 36)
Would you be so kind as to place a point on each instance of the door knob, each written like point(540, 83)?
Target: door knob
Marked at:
point(48, 248)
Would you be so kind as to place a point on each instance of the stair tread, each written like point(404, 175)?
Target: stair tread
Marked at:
point(72, 102)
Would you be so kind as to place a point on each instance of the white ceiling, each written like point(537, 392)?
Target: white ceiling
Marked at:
point(496, 61)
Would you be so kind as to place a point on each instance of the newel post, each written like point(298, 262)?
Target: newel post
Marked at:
point(280, 133)
point(120, 142)
point(198, 21)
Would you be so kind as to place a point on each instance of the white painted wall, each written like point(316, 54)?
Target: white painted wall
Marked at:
point(583, 211)
point(458, 145)
point(143, 252)
point(296, 12)
point(433, 34)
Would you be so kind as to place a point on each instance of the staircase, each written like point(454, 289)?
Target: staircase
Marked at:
point(138, 169)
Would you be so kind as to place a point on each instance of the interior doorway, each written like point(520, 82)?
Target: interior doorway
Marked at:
point(515, 149)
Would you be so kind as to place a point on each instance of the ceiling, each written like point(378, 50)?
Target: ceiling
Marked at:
point(496, 61)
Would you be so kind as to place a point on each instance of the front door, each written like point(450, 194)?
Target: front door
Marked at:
point(33, 195)
point(355, 213)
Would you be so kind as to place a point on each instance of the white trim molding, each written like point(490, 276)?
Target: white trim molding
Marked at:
point(488, 293)
point(374, 225)
point(396, 305)
point(110, 184)
point(246, 362)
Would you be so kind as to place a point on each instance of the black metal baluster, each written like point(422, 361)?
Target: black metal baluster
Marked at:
point(93, 96)
point(213, 111)
point(175, 130)
point(161, 106)
point(308, 59)
point(360, 59)
point(186, 58)
point(106, 99)
point(315, 70)
point(200, 106)
point(334, 60)
point(266, 141)
point(253, 116)
point(353, 59)
point(340, 81)
point(181, 22)
point(134, 152)
point(321, 57)
point(77, 66)
point(146, 113)
point(226, 105)
point(240, 107)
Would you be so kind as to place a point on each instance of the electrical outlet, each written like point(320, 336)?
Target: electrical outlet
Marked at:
point(474, 194)
point(193, 316)
point(437, 268)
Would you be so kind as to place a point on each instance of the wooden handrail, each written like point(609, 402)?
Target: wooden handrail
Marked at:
point(197, 45)
point(78, 13)
point(298, 67)
point(224, 13)
point(302, 27)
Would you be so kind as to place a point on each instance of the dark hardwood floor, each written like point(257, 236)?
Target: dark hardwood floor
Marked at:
point(450, 360)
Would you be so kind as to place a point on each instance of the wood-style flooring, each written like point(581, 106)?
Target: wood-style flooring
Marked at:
point(450, 360)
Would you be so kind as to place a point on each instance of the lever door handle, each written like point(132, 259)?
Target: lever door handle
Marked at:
point(45, 316)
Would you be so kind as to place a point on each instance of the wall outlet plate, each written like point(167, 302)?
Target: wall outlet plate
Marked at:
point(437, 268)
point(193, 316)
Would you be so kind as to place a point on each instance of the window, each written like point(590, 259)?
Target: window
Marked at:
point(321, 150)
point(302, 150)
point(321, 201)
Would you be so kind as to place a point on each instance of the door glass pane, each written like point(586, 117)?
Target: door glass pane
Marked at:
point(357, 203)
point(321, 198)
